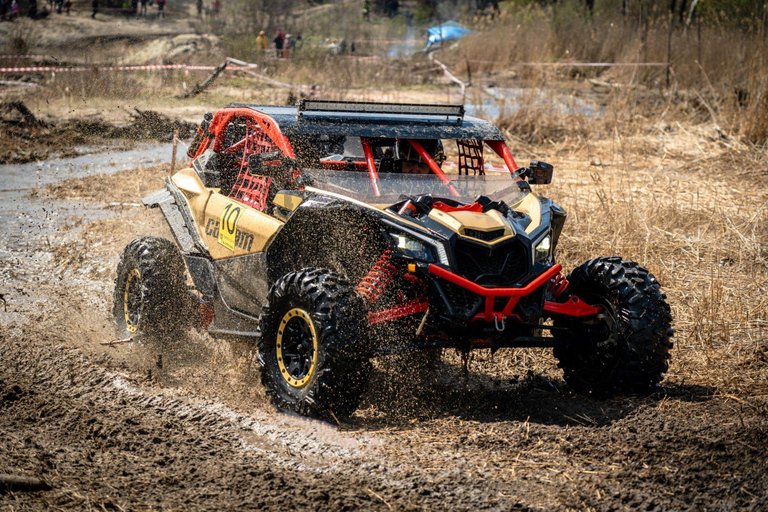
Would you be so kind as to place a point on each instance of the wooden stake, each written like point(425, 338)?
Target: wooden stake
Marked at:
point(117, 342)
point(173, 154)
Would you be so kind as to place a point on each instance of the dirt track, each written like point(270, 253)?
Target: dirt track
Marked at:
point(126, 428)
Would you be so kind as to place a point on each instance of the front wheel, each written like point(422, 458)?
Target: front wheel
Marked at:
point(626, 347)
point(313, 345)
point(150, 297)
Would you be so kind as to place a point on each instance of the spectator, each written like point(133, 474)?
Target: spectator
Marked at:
point(134, 7)
point(95, 7)
point(13, 11)
point(279, 40)
point(68, 6)
point(3, 9)
point(161, 8)
point(143, 8)
point(216, 6)
point(367, 10)
point(261, 41)
point(33, 9)
point(199, 8)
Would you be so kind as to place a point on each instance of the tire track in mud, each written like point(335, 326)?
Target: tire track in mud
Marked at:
point(91, 431)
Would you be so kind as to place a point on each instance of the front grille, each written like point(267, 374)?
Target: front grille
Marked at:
point(501, 265)
point(486, 236)
point(462, 300)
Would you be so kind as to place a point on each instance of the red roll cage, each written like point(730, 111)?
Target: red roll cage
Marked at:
point(217, 129)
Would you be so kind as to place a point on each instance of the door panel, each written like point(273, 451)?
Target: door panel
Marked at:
point(234, 229)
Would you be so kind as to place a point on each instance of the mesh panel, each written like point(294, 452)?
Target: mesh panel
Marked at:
point(249, 189)
point(471, 157)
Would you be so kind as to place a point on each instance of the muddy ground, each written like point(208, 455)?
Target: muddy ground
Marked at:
point(128, 428)
point(29, 139)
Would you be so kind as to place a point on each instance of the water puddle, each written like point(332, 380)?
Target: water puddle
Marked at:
point(495, 102)
point(30, 226)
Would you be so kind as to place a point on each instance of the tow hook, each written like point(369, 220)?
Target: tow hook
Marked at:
point(496, 323)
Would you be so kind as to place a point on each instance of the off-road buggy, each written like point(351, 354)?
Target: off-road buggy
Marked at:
point(331, 232)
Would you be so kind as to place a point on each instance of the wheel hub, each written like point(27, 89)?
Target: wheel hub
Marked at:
point(296, 347)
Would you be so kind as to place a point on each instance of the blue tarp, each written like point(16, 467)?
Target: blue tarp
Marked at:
point(448, 31)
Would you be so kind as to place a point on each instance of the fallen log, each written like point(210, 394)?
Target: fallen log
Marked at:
point(26, 114)
point(208, 81)
point(16, 483)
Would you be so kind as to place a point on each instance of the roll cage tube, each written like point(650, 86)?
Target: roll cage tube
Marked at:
point(500, 148)
point(371, 165)
point(222, 118)
point(433, 165)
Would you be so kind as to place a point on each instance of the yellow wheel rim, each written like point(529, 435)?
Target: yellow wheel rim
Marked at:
point(133, 279)
point(296, 337)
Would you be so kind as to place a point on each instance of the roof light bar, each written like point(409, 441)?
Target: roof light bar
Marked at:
point(364, 107)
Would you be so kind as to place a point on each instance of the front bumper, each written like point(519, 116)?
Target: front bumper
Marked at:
point(500, 303)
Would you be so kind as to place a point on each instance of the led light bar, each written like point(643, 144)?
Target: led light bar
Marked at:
point(363, 107)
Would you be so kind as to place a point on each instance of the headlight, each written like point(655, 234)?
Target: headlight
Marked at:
point(413, 248)
point(541, 251)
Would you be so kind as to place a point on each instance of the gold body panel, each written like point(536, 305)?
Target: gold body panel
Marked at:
point(531, 205)
point(195, 193)
point(287, 201)
point(249, 230)
point(245, 230)
point(461, 221)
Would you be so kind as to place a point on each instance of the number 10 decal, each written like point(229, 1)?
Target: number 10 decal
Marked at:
point(228, 225)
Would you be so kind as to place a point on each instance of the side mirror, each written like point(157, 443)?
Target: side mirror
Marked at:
point(539, 173)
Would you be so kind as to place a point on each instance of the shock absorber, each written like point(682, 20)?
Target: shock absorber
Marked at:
point(558, 285)
point(378, 278)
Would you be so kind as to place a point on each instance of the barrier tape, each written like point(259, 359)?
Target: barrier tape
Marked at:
point(574, 64)
point(79, 69)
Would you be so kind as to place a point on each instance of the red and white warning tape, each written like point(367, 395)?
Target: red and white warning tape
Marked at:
point(576, 64)
point(56, 69)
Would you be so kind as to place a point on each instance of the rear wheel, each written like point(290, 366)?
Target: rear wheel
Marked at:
point(626, 347)
point(313, 345)
point(150, 298)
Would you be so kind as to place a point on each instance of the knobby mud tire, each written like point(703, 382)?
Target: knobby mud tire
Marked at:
point(163, 306)
point(342, 367)
point(638, 358)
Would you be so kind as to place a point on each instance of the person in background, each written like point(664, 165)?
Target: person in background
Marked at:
point(3, 9)
point(367, 10)
point(261, 42)
point(95, 7)
point(143, 8)
point(68, 6)
point(33, 9)
point(199, 8)
point(279, 40)
point(287, 46)
point(216, 6)
point(161, 8)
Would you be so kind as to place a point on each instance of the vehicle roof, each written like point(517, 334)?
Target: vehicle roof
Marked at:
point(294, 123)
